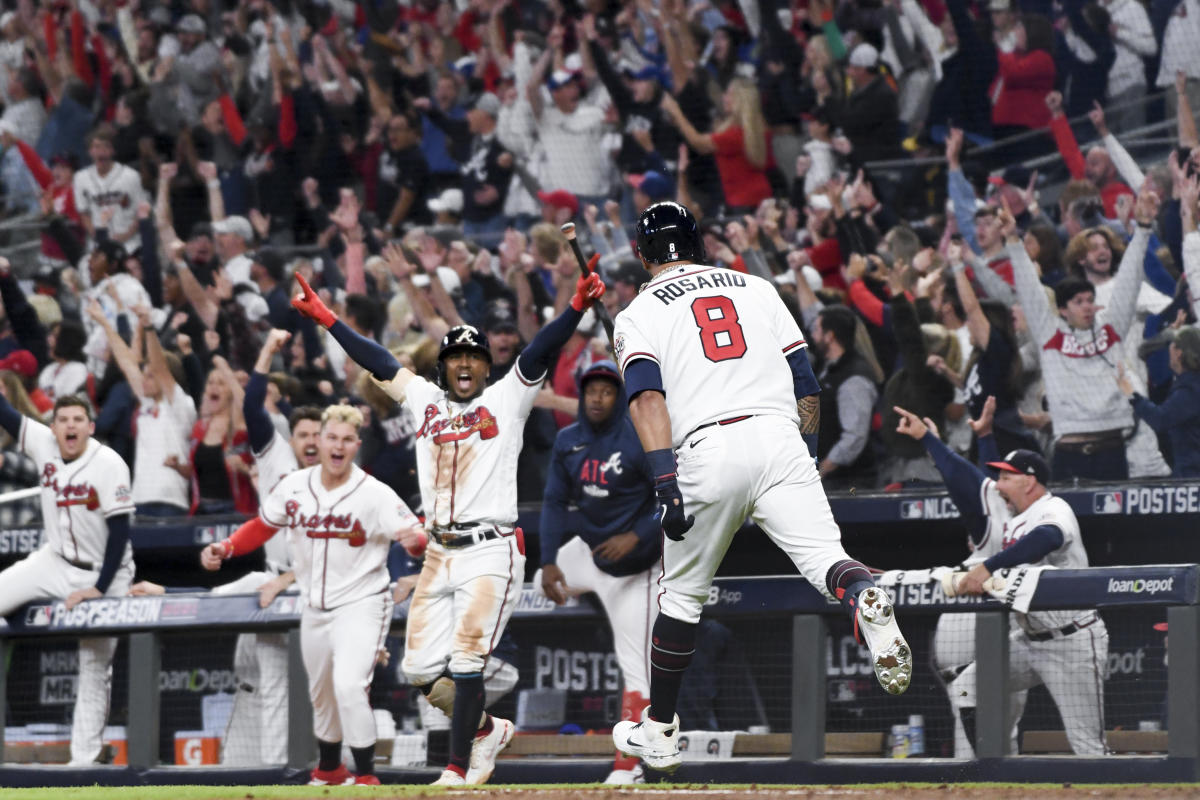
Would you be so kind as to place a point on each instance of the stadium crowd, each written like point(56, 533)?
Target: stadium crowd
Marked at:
point(414, 163)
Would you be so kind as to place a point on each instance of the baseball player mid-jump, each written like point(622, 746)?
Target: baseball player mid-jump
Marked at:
point(722, 395)
point(341, 523)
point(468, 439)
point(86, 509)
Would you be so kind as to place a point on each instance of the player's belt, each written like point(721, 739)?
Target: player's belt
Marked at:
point(726, 421)
point(1067, 630)
point(455, 536)
point(87, 565)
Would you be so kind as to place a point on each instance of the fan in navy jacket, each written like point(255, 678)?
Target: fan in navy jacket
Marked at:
point(599, 500)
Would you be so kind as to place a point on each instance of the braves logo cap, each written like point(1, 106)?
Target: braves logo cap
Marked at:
point(1024, 462)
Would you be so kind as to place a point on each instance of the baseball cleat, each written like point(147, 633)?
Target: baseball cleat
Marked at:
point(485, 749)
point(624, 776)
point(655, 743)
point(890, 654)
point(367, 780)
point(331, 777)
point(450, 778)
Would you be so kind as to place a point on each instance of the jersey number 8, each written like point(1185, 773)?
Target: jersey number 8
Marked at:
point(720, 332)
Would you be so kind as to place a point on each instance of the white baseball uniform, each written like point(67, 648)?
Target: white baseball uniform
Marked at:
point(1066, 650)
point(340, 539)
point(720, 340)
point(258, 725)
point(120, 190)
point(77, 499)
point(467, 467)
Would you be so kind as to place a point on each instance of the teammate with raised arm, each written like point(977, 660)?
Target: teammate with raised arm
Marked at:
point(468, 440)
point(340, 523)
point(86, 508)
point(724, 402)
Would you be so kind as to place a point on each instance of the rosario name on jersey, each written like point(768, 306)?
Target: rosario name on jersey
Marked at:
point(720, 339)
point(276, 462)
point(77, 497)
point(469, 450)
point(340, 538)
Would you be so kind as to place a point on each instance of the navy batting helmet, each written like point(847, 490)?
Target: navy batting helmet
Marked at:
point(458, 339)
point(668, 232)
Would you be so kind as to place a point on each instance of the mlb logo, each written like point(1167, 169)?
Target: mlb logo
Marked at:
point(38, 616)
point(206, 535)
point(1107, 502)
point(912, 509)
point(284, 605)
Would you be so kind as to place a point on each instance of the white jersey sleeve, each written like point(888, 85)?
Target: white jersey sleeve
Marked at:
point(275, 462)
point(272, 509)
point(37, 441)
point(113, 484)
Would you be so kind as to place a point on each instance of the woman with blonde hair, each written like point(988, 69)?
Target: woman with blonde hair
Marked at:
point(739, 144)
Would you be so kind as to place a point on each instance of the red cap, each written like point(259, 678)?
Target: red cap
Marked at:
point(560, 198)
point(21, 362)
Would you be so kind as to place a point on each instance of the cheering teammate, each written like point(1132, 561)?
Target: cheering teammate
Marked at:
point(86, 506)
point(715, 369)
point(468, 439)
point(340, 523)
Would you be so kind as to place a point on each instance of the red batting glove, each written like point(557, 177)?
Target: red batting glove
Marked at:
point(588, 289)
point(310, 305)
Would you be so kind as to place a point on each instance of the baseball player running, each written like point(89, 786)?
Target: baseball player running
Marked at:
point(720, 391)
point(468, 439)
point(599, 467)
point(86, 509)
point(340, 523)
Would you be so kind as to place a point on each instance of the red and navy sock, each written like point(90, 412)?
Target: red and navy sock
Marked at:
point(329, 755)
point(468, 706)
point(672, 645)
point(846, 580)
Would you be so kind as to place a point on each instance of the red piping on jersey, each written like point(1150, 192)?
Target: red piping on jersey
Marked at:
point(325, 564)
point(732, 420)
point(800, 343)
point(437, 471)
point(639, 354)
point(387, 621)
point(70, 519)
point(521, 378)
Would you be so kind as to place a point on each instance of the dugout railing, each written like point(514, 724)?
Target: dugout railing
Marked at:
point(742, 604)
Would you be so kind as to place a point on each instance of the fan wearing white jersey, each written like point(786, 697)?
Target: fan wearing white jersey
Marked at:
point(468, 440)
point(86, 506)
point(257, 732)
point(720, 391)
point(107, 193)
point(1067, 650)
point(984, 515)
point(340, 523)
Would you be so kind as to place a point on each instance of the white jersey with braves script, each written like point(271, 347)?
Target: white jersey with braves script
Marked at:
point(1050, 510)
point(467, 452)
point(998, 516)
point(720, 339)
point(276, 461)
point(339, 538)
point(120, 190)
point(78, 496)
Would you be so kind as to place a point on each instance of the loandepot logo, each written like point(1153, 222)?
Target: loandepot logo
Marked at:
point(1141, 586)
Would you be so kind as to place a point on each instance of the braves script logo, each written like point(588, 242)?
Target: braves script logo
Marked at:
point(444, 430)
point(328, 526)
point(1071, 347)
point(81, 494)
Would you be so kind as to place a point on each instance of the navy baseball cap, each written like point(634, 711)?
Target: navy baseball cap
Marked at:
point(1024, 462)
point(654, 185)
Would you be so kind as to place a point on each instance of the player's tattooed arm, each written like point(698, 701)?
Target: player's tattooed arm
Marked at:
point(809, 409)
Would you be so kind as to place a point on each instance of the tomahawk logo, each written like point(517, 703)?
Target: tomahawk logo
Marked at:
point(467, 335)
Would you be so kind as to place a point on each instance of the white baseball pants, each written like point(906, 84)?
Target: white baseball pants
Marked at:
point(44, 575)
point(757, 468)
point(340, 648)
point(628, 602)
point(460, 605)
point(257, 732)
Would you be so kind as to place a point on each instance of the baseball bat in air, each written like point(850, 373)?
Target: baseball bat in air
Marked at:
point(568, 231)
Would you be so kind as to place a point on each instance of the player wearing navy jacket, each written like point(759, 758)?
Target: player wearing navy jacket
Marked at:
point(613, 540)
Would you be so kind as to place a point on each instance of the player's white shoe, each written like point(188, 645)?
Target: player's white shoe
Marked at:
point(890, 654)
point(485, 749)
point(450, 778)
point(625, 776)
point(333, 777)
point(655, 743)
